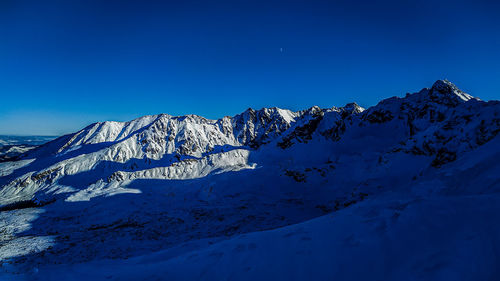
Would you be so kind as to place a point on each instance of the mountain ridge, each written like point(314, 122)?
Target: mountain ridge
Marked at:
point(167, 139)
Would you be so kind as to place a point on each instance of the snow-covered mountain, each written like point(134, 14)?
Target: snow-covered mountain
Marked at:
point(407, 188)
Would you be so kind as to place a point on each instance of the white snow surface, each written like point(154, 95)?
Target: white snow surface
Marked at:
point(404, 190)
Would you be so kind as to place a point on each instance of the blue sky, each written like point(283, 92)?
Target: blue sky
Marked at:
point(64, 64)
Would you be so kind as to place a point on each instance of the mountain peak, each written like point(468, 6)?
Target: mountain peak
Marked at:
point(353, 107)
point(443, 84)
point(445, 92)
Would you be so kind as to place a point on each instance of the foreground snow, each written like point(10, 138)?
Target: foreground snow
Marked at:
point(396, 239)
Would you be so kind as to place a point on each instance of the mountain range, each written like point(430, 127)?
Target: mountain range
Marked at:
point(407, 189)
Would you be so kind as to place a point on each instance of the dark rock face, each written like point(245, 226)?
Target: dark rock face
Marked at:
point(254, 128)
point(378, 116)
point(302, 133)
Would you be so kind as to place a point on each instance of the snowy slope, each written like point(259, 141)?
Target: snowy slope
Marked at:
point(406, 189)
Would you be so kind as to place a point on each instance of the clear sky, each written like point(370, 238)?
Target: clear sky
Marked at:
point(65, 64)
